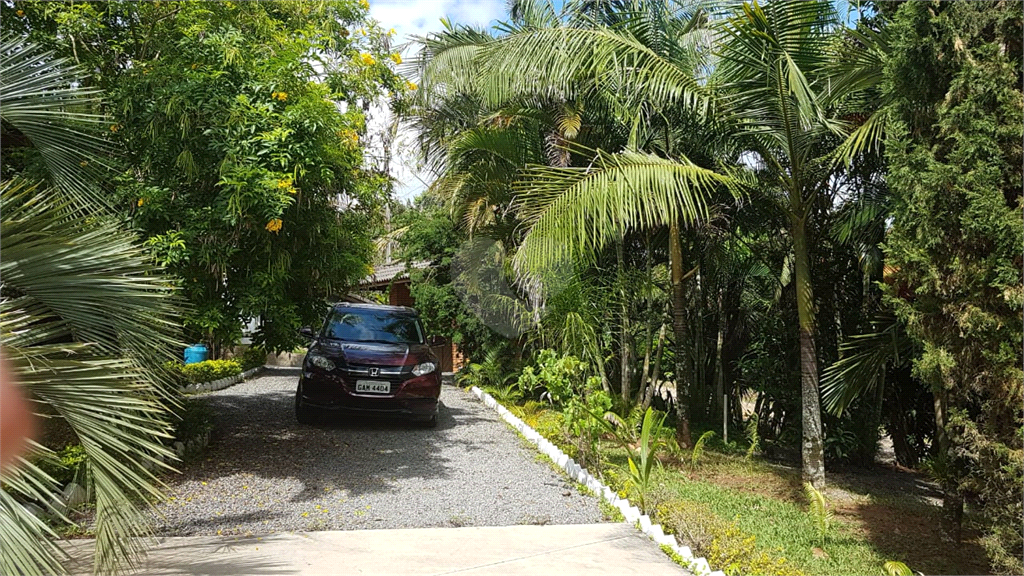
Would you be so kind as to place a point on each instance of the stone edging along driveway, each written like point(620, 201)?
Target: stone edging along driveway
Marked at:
point(699, 566)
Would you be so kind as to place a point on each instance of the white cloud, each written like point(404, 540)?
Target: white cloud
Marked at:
point(412, 18)
point(420, 17)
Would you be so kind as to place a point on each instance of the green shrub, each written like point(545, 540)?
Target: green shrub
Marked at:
point(253, 357)
point(66, 465)
point(175, 370)
point(721, 542)
point(192, 420)
point(201, 372)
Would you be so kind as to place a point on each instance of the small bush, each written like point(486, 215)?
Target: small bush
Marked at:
point(721, 542)
point(65, 465)
point(253, 357)
point(201, 372)
point(192, 420)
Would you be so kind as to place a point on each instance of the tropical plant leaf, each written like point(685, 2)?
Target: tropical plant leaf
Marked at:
point(44, 100)
point(572, 212)
point(818, 511)
point(698, 448)
point(79, 344)
point(863, 359)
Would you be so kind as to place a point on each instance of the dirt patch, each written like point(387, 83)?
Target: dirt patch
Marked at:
point(914, 537)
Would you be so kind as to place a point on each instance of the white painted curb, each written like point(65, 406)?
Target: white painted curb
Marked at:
point(699, 566)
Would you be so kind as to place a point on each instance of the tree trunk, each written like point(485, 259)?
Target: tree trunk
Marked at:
point(646, 393)
point(812, 446)
point(679, 329)
point(719, 402)
point(952, 500)
point(627, 349)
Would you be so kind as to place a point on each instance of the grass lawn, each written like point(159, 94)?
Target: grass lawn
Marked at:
point(879, 514)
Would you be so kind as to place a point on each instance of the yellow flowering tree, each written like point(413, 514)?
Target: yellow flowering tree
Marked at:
point(235, 146)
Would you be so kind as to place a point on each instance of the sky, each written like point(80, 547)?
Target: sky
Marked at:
point(418, 18)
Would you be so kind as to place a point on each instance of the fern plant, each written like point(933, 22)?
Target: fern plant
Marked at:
point(698, 449)
point(818, 511)
point(752, 436)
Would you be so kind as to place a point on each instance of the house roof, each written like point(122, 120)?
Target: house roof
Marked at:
point(386, 273)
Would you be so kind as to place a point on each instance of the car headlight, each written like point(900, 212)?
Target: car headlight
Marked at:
point(320, 362)
point(424, 368)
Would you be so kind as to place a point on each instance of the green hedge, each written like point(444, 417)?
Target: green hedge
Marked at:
point(201, 372)
point(253, 357)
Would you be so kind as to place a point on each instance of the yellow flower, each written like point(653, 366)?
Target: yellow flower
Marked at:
point(391, 32)
point(282, 96)
point(114, 128)
point(83, 163)
point(194, 66)
point(362, 31)
point(411, 85)
point(364, 4)
point(274, 225)
point(352, 137)
point(20, 12)
point(286, 185)
point(396, 58)
point(367, 59)
point(141, 202)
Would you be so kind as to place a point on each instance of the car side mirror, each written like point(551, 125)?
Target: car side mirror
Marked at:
point(307, 332)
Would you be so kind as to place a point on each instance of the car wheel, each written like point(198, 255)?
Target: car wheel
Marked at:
point(303, 413)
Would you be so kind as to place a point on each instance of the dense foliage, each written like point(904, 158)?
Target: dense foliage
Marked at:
point(240, 127)
point(716, 205)
point(954, 159)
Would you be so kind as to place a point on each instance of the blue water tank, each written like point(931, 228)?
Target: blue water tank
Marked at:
point(196, 353)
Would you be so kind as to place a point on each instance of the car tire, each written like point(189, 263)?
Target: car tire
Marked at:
point(303, 413)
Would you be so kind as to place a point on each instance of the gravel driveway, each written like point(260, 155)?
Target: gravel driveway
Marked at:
point(266, 473)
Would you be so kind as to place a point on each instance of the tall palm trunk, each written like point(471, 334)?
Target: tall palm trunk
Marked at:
point(719, 403)
point(812, 445)
point(679, 328)
point(627, 349)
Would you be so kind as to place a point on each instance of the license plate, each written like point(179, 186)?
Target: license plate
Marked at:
point(373, 386)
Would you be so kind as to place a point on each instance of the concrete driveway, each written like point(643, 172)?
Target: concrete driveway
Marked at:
point(611, 549)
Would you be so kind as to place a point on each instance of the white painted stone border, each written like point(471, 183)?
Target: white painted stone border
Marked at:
point(699, 566)
point(220, 384)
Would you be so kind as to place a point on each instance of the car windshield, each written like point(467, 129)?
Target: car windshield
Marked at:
point(373, 326)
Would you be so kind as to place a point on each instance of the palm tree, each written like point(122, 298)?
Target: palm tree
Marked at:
point(84, 319)
point(598, 58)
point(769, 81)
point(775, 75)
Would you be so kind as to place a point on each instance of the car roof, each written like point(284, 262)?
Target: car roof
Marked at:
point(404, 310)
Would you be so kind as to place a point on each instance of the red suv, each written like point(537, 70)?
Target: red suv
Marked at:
point(369, 359)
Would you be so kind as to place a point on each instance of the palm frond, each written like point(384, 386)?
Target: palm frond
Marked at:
point(818, 511)
point(87, 318)
point(863, 358)
point(574, 211)
point(560, 62)
point(698, 448)
point(41, 96)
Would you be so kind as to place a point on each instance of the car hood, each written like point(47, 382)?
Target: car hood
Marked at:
point(373, 353)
